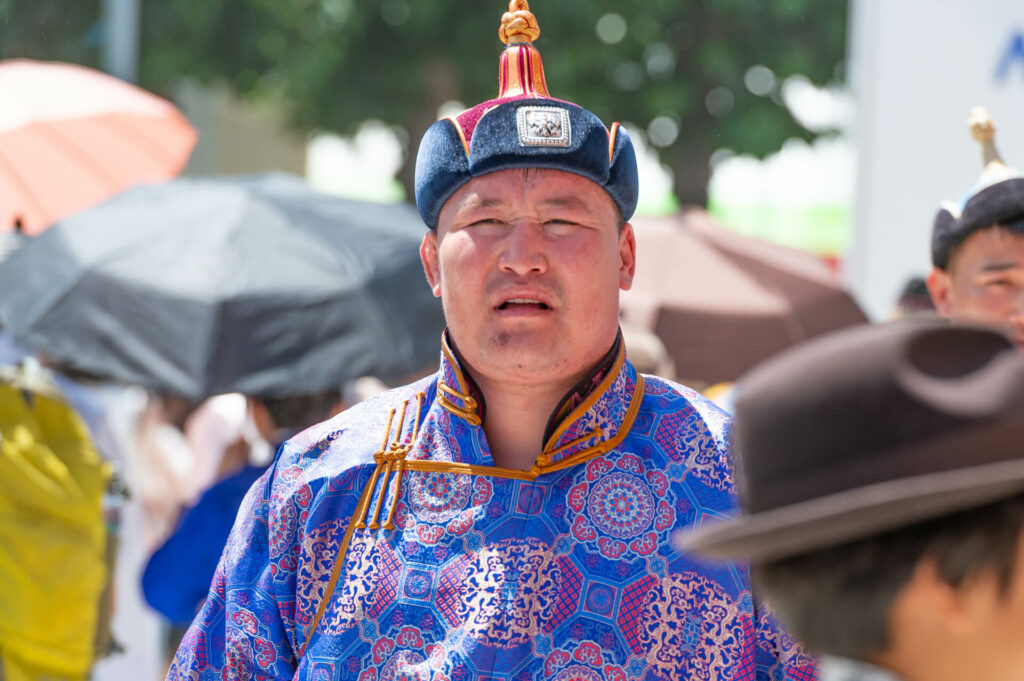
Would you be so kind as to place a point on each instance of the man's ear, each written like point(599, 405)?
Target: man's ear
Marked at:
point(927, 611)
point(627, 257)
point(958, 609)
point(428, 255)
point(939, 284)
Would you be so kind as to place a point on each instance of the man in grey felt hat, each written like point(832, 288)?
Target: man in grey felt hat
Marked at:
point(978, 244)
point(881, 479)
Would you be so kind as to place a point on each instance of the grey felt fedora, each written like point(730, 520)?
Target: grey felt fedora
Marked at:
point(869, 430)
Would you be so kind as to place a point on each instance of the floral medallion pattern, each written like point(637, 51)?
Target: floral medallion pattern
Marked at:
point(691, 629)
point(620, 508)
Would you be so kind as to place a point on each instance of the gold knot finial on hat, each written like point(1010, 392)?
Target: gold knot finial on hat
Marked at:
point(984, 132)
point(518, 25)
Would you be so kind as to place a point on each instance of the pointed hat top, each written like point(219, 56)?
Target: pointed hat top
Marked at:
point(518, 25)
point(997, 197)
point(984, 133)
point(520, 70)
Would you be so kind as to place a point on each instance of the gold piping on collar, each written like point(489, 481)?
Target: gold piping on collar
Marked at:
point(456, 367)
point(611, 443)
point(458, 469)
point(545, 458)
point(470, 411)
point(585, 406)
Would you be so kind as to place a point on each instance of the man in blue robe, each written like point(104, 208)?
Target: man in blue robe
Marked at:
point(508, 517)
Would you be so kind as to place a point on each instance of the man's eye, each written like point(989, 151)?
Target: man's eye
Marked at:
point(561, 226)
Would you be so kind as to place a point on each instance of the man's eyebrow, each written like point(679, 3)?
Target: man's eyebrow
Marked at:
point(566, 202)
point(999, 266)
point(478, 202)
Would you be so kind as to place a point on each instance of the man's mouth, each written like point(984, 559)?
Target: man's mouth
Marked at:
point(524, 303)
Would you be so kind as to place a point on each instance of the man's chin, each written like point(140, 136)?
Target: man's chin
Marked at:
point(525, 358)
point(1016, 335)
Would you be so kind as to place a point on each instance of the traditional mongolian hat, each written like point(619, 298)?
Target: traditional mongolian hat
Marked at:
point(997, 198)
point(870, 430)
point(524, 127)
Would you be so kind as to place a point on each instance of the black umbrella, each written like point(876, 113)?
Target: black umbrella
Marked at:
point(258, 285)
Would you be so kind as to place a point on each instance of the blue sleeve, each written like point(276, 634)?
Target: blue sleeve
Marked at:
point(170, 590)
point(779, 656)
point(240, 632)
point(200, 535)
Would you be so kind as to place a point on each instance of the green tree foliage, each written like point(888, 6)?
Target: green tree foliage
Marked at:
point(51, 30)
point(683, 63)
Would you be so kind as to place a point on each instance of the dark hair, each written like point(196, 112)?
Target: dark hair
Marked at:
point(1015, 226)
point(297, 412)
point(837, 600)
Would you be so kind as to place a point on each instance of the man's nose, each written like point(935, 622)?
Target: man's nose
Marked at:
point(1016, 317)
point(524, 250)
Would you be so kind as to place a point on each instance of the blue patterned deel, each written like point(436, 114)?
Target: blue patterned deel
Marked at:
point(384, 545)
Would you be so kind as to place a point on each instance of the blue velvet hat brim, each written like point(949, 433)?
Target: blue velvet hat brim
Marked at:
point(443, 166)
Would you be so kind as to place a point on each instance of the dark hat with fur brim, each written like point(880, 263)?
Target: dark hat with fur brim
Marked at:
point(997, 199)
point(870, 430)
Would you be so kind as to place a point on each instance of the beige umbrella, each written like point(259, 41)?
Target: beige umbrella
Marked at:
point(721, 302)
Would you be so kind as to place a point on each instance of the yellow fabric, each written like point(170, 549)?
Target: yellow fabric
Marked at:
point(718, 390)
point(14, 669)
point(52, 536)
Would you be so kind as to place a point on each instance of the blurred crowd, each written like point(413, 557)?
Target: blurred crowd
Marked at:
point(167, 475)
point(123, 465)
point(176, 471)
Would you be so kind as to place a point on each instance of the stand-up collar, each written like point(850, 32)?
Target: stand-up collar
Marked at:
point(591, 419)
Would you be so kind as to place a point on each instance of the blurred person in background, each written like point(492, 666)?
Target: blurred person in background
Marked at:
point(96, 402)
point(914, 301)
point(509, 516)
point(162, 464)
point(978, 244)
point(55, 556)
point(91, 400)
point(177, 576)
point(881, 481)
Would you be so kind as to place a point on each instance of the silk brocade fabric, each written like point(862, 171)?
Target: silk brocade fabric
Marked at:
point(379, 548)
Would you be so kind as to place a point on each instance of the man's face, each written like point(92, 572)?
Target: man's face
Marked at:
point(1003, 615)
point(528, 265)
point(973, 630)
point(984, 281)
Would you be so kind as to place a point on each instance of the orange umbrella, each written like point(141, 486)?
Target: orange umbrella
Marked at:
point(722, 302)
point(71, 137)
